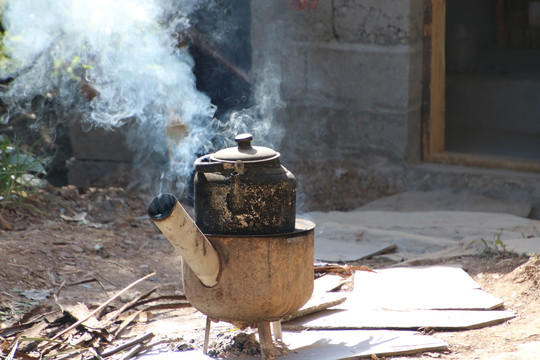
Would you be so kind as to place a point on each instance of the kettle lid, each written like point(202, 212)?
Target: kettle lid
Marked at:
point(245, 152)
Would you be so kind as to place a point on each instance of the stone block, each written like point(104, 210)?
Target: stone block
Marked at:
point(329, 135)
point(349, 21)
point(416, 22)
point(383, 22)
point(369, 78)
point(416, 68)
point(413, 152)
point(99, 173)
point(291, 64)
point(99, 144)
point(274, 22)
point(341, 185)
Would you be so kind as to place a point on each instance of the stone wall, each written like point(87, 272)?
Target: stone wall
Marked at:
point(351, 81)
point(351, 73)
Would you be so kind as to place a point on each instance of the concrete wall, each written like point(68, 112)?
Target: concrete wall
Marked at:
point(351, 81)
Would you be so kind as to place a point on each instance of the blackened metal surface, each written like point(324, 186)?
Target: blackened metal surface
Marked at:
point(162, 206)
point(260, 201)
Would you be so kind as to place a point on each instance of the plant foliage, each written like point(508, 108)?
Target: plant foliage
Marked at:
point(20, 172)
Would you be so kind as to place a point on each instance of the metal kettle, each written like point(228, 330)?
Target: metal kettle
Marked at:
point(244, 190)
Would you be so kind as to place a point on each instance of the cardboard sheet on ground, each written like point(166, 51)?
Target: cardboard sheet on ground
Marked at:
point(326, 283)
point(419, 288)
point(333, 345)
point(410, 298)
point(338, 318)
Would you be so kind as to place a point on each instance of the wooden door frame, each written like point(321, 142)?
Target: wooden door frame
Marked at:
point(433, 100)
point(434, 76)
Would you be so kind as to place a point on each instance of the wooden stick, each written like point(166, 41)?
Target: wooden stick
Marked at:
point(126, 322)
point(133, 352)
point(168, 306)
point(265, 339)
point(13, 351)
point(85, 281)
point(129, 344)
point(114, 314)
point(102, 306)
point(200, 41)
point(276, 329)
point(206, 335)
point(70, 355)
point(142, 301)
point(95, 353)
point(341, 269)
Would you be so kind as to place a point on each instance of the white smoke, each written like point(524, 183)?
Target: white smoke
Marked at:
point(118, 61)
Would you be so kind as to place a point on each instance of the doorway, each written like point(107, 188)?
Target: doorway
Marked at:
point(483, 83)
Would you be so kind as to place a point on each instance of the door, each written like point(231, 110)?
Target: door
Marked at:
point(481, 98)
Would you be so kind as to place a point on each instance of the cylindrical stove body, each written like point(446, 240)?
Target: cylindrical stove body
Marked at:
point(263, 278)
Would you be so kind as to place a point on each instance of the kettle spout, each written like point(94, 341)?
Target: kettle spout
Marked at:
point(188, 240)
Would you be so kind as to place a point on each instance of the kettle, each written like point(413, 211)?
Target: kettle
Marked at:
point(244, 190)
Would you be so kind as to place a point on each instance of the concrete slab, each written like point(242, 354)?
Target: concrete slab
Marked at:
point(338, 246)
point(448, 201)
point(404, 259)
point(342, 237)
point(338, 318)
point(419, 288)
point(324, 345)
point(414, 233)
point(441, 224)
point(528, 246)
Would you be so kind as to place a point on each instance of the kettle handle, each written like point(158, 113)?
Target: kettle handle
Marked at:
point(206, 164)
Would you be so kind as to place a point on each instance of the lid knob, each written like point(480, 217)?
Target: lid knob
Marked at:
point(244, 141)
point(245, 152)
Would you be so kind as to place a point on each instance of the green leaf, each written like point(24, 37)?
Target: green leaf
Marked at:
point(29, 162)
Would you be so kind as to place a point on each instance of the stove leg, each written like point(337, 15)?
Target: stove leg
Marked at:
point(265, 339)
point(276, 329)
point(207, 335)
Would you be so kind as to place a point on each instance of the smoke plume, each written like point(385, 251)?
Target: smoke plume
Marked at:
point(117, 64)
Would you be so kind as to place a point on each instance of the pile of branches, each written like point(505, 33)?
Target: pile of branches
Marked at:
point(76, 332)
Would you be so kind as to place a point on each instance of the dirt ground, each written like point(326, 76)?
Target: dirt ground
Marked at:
point(83, 247)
